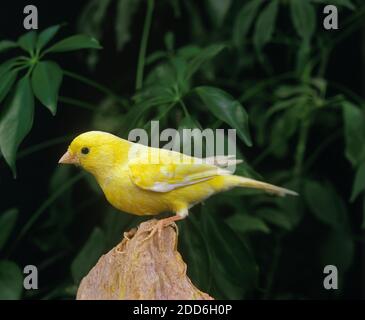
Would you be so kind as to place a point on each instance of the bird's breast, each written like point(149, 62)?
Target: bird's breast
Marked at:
point(124, 195)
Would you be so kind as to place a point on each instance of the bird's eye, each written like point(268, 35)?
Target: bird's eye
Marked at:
point(85, 150)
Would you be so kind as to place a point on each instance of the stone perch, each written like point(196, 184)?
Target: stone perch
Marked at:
point(141, 269)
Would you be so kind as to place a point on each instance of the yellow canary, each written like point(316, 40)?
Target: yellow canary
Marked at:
point(147, 181)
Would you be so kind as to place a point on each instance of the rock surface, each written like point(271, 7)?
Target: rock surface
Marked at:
point(136, 268)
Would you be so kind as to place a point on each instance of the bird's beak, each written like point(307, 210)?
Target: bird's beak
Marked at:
point(69, 158)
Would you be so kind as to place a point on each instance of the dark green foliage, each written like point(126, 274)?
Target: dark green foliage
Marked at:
point(265, 24)
point(7, 222)
point(46, 80)
point(304, 18)
point(11, 280)
point(234, 265)
point(73, 43)
point(89, 255)
point(200, 267)
point(16, 119)
point(260, 67)
point(225, 108)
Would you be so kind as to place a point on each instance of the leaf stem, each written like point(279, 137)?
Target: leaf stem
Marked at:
point(161, 115)
point(143, 46)
point(43, 145)
point(77, 103)
point(95, 85)
point(302, 143)
point(353, 95)
point(258, 87)
point(185, 109)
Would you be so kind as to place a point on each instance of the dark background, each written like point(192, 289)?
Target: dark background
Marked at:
point(116, 70)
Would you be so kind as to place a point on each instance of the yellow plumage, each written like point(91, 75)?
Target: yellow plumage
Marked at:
point(147, 181)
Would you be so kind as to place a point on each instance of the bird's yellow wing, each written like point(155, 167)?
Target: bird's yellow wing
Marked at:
point(172, 170)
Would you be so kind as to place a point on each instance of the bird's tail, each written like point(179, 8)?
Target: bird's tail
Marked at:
point(244, 182)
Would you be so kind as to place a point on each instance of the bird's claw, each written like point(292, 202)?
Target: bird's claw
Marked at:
point(156, 228)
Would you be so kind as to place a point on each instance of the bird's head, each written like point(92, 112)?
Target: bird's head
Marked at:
point(94, 151)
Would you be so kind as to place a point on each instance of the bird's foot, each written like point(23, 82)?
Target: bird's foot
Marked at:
point(129, 234)
point(158, 227)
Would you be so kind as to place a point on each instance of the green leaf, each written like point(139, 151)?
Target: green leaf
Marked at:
point(354, 120)
point(132, 117)
point(89, 255)
point(28, 41)
point(303, 57)
point(227, 109)
point(163, 74)
point(275, 217)
point(286, 118)
point(359, 183)
point(283, 128)
point(188, 123)
point(169, 75)
point(244, 21)
point(91, 22)
point(232, 262)
point(169, 40)
point(265, 24)
point(155, 56)
point(11, 281)
point(303, 17)
point(7, 44)
point(76, 42)
point(345, 3)
point(182, 141)
point(16, 120)
point(108, 116)
point(8, 65)
point(218, 10)
point(245, 223)
point(287, 91)
point(188, 52)
point(46, 81)
point(180, 67)
point(7, 223)
point(203, 56)
point(157, 94)
point(46, 35)
point(125, 11)
point(92, 17)
point(7, 80)
point(325, 204)
point(198, 259)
